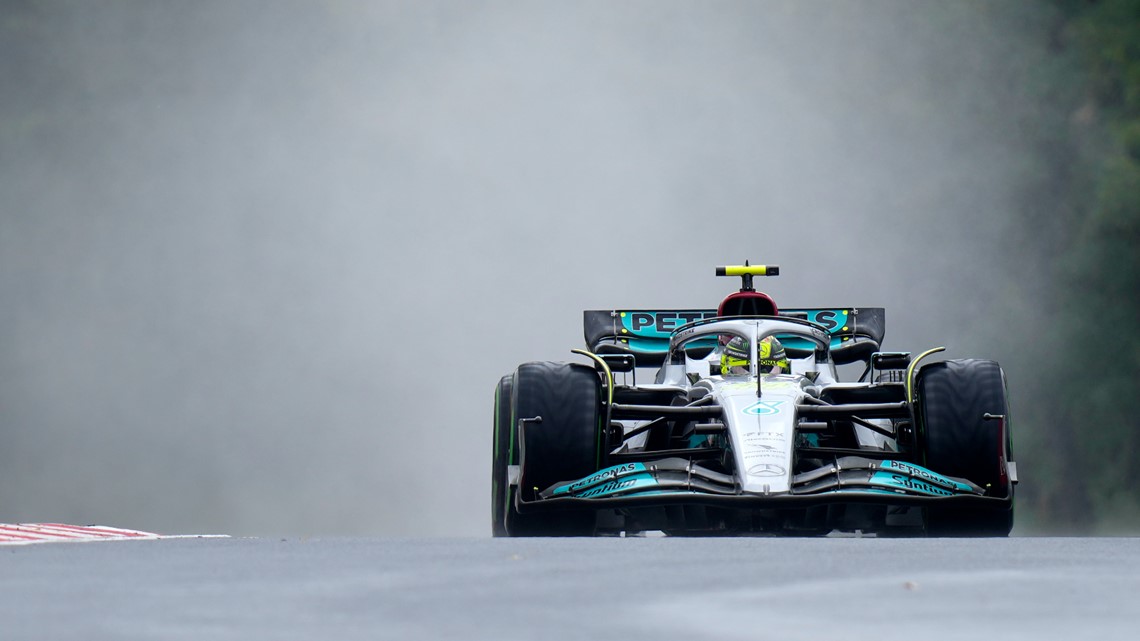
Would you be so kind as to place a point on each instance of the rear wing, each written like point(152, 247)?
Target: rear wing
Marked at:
point(856, 332)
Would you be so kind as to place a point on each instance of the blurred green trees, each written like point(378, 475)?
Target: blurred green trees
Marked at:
point(1092, 429)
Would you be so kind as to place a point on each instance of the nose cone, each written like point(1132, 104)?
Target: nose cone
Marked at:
point(762, 431)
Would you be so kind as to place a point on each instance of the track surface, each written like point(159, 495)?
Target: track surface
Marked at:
point(651, 588)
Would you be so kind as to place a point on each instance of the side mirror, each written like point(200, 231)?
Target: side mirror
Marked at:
point(890, 360)
point(894, 362)
point(619, 362)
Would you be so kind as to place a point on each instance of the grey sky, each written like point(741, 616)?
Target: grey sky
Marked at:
point(262, 264)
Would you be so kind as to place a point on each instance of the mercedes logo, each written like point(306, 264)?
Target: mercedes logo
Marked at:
point(766, 469)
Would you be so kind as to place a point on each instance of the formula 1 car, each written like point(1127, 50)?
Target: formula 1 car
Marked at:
point(583, 448)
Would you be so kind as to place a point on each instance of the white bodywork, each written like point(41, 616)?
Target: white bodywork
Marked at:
point(759, 409)
point(761, 429)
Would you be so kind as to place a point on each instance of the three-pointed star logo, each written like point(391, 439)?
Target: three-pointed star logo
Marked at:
point(764, 408)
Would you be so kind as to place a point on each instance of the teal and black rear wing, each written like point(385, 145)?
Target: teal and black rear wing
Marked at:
point(856, 332)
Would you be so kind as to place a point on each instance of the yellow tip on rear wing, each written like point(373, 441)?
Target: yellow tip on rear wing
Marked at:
point(748, 270)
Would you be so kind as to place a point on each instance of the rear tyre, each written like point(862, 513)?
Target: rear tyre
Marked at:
point(501, 456)
point(566, 444)
point(952, 399)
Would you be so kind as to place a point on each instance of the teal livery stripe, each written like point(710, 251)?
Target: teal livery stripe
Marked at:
point(603, 476)
point(622, 485)
point(923, 474)
point(908, 484)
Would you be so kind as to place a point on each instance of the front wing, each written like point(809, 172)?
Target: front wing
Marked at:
point(681, 481)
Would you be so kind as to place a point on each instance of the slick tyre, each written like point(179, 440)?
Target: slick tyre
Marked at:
point(501, 456)
point(556, 426)
point(953, 398)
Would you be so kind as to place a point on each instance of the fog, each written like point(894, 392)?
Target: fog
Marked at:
point(262, 264)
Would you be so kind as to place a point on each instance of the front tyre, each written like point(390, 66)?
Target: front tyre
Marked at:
point(566, 444)
point(501, 456)
point(953, 397)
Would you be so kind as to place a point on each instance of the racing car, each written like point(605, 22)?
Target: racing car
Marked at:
point(912, 447)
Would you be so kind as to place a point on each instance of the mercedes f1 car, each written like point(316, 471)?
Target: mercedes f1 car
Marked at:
point(906, 449)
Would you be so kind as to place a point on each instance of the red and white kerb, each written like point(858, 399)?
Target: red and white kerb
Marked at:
point(25, 533)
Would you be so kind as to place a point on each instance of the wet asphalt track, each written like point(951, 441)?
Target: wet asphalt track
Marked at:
point(651, 588)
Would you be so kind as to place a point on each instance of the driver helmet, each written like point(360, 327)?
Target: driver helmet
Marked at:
point(734, 359)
